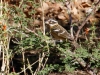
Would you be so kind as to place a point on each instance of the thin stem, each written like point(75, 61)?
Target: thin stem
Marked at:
point(41, 2)
point(23, 56)
point(41, 57)
point(28, 67)
point(86, 19)
point(3, 59)
point(21, 3)
point(1, 9)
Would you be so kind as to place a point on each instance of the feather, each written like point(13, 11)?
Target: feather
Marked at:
point(57, 31)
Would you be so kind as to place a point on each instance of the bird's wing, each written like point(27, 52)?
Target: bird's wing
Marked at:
point(61, 32)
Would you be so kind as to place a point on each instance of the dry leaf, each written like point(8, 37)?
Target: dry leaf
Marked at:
point(85, 5)
point(97, 15)
point(36, 22)
point(61, 16)
point(45, 8)
point(74, 11)
point(55, 6)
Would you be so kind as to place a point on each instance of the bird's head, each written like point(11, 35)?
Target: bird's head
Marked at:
point(51, 22)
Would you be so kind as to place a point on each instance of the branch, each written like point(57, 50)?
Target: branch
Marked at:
point(86, 19)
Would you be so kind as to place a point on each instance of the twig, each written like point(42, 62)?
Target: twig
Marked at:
point(28, 67)
point(86, 19)
point(79, 60)
point(67, 4)
point(46, 59)
point(41, 2)
point(1, 7)
point(21, 3)
point(31, 31)
point(23, 56)
point(74, 40)
point(41, 58)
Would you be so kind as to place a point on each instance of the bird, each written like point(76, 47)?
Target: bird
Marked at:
point(57, 31)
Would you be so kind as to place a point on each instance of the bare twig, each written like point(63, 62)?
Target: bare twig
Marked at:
point(23, 56)
point(21, 3)
point(1, 5)
point(86, 19)
point(79, 60)
point(41, 58)
point(41, 2)
point(28, 67)
point(74, 42)
point(31, 31)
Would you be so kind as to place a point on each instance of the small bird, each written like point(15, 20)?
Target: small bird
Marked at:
point(57, 31)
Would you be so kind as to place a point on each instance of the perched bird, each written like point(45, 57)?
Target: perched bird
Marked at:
point(57, 31)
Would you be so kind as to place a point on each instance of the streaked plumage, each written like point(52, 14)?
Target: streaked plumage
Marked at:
point(57, 31)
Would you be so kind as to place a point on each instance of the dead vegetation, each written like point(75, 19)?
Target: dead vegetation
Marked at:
point(81, 18)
